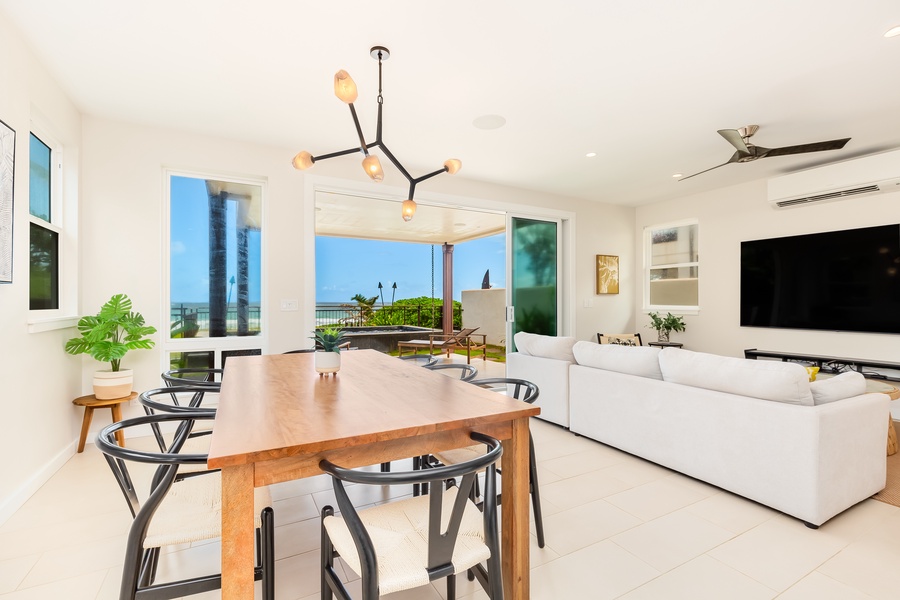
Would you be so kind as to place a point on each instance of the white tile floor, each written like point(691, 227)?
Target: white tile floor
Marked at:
point(616, 527)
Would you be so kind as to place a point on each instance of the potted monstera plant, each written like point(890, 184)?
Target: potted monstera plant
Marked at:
point(107, 337)
point(328, 357)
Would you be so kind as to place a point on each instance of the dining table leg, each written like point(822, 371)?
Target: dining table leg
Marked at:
point(237, 532)
point(515, 536)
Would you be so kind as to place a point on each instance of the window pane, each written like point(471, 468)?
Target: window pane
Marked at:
point(534, 276)
point(39, 179)
point(203, 359)
point(674, 287)
point(226, 354)
point(44, 279)
point(215, 234)
point(673, 245)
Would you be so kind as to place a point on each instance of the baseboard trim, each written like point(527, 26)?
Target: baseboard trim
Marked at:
point(15, 501)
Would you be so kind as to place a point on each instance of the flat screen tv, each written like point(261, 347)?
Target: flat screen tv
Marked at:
point(836, 281)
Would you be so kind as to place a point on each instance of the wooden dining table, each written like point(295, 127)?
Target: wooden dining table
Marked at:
point(277, 419)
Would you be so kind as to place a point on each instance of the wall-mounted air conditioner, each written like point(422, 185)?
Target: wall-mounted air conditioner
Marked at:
point(874, 174)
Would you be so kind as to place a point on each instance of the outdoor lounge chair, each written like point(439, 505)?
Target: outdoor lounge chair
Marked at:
point(443, 342)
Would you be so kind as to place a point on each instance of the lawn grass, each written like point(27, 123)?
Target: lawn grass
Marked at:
point(494, 353)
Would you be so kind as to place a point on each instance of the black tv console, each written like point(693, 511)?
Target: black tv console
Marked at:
point(832, 364)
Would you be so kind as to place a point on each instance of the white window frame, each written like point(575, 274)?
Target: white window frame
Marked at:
point(647, 251)
point(205, 344)
point(64, 222)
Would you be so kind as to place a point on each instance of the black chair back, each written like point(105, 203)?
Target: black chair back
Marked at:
point(466, 372)
point(441, 540)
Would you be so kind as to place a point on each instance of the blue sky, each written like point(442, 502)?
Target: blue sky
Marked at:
point(345, 267)
point(189, 244)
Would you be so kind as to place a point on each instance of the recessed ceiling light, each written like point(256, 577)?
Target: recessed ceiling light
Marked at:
point(677, 175)
point(591, 154)
point(489, 122)
point(892, 32)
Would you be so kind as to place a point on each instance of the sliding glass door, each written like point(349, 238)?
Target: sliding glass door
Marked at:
point(533, 299)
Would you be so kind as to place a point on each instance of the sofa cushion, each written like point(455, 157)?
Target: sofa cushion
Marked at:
point(766, 379)
point(632, 360)
point(845, 385)
point(546, 346)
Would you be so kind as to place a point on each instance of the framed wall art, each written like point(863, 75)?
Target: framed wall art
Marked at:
point(607, 274)
point(7, 175)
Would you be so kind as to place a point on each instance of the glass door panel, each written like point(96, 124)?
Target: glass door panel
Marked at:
point(534, 287)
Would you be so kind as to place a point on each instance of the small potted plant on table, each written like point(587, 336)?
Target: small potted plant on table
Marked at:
point(328, 357)
point(665, 325)
point(108, 336)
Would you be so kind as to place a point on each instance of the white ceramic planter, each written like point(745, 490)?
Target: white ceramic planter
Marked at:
point(328, 362)
point(109, 385)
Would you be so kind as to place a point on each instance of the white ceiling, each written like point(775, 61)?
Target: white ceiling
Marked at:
point(644, 84)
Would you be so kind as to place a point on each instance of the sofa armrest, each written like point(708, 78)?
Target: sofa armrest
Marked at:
point(852, 451)
point(552, 378)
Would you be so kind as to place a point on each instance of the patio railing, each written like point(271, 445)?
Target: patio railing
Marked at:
point(419, 315)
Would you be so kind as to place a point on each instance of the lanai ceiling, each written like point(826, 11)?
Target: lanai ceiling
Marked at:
point(644, 84)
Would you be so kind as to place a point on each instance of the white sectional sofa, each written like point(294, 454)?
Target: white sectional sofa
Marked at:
point(756, 428)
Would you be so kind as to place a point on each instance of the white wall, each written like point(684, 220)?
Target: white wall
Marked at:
point(39, 381)
point(730, 215)
point(486, 310)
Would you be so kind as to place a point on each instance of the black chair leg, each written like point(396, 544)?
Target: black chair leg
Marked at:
point(535, 494)
point(327, 558)
point(451, 587)
point(268, 553)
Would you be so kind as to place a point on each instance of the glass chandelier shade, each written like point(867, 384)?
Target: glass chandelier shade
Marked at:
point(372, 167)
point(303, 161)
point(408, 209)
point(345, 87)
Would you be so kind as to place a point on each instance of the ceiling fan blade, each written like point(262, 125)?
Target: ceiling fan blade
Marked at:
point(707, 170)
point(735, 139)
point(734, 158)
point(804, 148)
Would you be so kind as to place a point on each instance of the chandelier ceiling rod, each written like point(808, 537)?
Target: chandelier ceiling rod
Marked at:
point(345, 90)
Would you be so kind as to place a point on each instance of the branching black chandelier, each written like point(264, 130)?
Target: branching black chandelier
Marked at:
point(345, 90)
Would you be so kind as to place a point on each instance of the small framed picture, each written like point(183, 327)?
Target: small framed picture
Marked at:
point(7, 171)
point(607, 274)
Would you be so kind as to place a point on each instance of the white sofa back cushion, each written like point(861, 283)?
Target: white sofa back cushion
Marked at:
point(642, 361)
point(546, 346)
point(845, 385)
point(766, 379)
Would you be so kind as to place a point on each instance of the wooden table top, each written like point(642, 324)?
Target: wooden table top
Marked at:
point(274, 406)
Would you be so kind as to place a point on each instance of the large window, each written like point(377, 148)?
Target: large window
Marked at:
point(215, 269)
point(672, 266)
point(44, 227)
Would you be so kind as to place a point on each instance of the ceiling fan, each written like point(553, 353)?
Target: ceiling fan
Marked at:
point(747, 152)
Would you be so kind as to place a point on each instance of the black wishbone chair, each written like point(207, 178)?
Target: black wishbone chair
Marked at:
point(465, 372)
point(193, 377)
point(180, 400)
point(424, 360)
point(525, 391)
point(202, 381)
point(179, 508)
point(409, 543)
